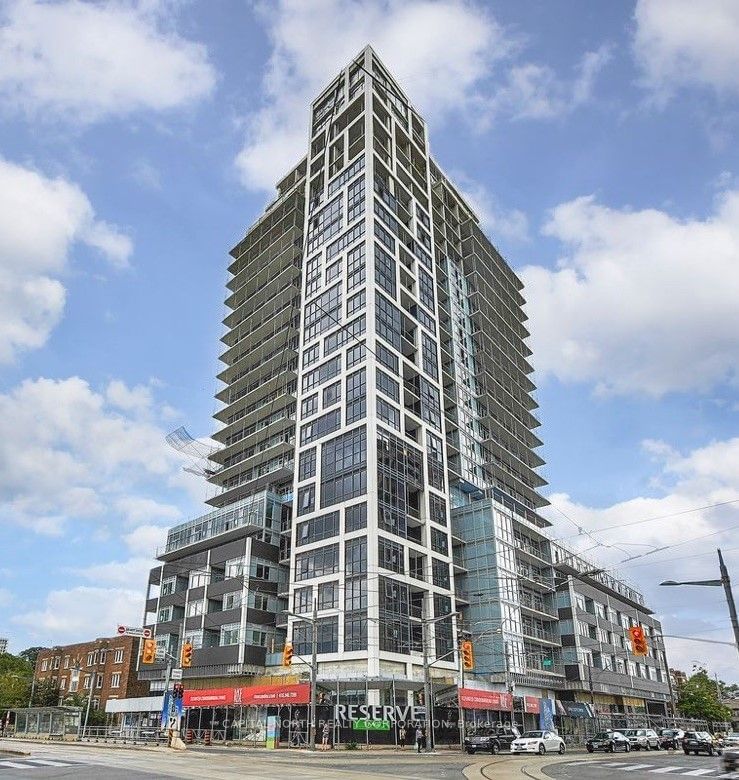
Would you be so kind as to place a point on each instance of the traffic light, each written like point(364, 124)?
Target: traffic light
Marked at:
point(468, 655)
point(639, 644)
point(186, 659)
point(287, 654)
point(178, 691)
point(149, 654)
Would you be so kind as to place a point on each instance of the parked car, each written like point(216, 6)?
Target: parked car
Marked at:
point(538, 742)
point(609, 742)
point(700, 742)
point(670, 739)
point(730, 760)
point(731, 739)
point(642, 739)
point(491, 739)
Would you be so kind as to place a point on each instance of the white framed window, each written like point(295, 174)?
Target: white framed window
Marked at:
point(230, 634)
point(195, 608)
point(99, 681)
point(235, 568)
point(164, 614)
point(56, 662)
point(62, 683)
point(90, 656)
point(118, 657)
point(168, 586)
point(88, 682)
point(232, 600)
point(44, 664)
point(66, 662)
point(198, 579)
point(195, 639)
point(115, 680)
point(103, 657)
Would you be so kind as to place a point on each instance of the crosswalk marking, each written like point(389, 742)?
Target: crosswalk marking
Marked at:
point(699, 772)
point(48, 762)
point(634, 767)
point(12, 765)
point(665, 769)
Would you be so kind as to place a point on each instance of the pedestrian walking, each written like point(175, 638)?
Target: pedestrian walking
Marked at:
point(419, 739)
point(325, 739)
point(401, 736)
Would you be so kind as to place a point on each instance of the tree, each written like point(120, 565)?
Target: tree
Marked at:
point(14, 690)
point(30, 654)
point(46, 694)
point(15, 681)
point(698, 698)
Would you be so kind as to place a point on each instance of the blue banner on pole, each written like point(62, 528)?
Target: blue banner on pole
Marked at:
point(165, 709)
point(546, 715)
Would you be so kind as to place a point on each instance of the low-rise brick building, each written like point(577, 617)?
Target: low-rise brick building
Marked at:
point(106, 665)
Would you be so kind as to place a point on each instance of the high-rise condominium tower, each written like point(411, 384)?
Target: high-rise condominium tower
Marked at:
point(378, 466)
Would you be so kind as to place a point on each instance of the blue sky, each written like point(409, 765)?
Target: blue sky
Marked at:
point(138, 140)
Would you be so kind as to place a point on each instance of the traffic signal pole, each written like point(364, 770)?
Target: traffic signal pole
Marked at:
point(314, 676)
point(726, 582)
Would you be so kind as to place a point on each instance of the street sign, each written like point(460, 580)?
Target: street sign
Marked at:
point(176, 674)
point(365, 724)
point(144, 633)
point(161, 654)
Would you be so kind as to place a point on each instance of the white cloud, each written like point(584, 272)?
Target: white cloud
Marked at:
point(33, 258)
point(680, 42)
point(145, 539)
point(133, 571)
point(496, 221)
point(85, 458)
point(6, 597)
point(683, 482)
point(88, 61)
point(534, 91)
point(643, 302)
point(137, 509)
point(82, 613)
point(445, 65)
point(129, 399)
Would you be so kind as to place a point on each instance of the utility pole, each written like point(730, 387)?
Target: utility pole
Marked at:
point(426, 670)
point(314, 676)
point(726, 582)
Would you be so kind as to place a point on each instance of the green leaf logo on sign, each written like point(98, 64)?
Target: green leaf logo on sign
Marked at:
point(364, 724)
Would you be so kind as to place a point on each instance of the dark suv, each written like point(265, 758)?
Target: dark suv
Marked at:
point(700, 742)
point(609, 742)
point(670, 739)
point(491, 739)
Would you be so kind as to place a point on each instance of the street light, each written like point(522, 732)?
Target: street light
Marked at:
point(724, 582)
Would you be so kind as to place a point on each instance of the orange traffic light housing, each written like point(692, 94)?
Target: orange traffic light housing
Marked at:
point(186, 659)
point(639, 644)
point(287, 654)
point(149, 653)
point(468, 655)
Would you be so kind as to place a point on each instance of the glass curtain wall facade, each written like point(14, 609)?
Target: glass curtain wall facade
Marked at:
point(370, 546)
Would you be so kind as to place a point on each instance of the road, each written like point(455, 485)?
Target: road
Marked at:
point(640, 766)
point(91, 762)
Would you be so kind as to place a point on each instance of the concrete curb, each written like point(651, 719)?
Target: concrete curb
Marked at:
point(76, 744)
point(5, 752)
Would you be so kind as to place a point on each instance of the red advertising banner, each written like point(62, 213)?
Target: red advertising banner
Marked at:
point(275, 694)
point(532, 704)
point(473, 699)
point(252, 694)
point(210, 697)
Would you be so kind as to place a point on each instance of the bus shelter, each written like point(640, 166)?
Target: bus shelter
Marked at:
point(46, 721)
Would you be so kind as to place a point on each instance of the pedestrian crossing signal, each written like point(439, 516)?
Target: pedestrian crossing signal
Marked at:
point(287, 654)
point(639, 644)
point(468, 655)
point(149, 654)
